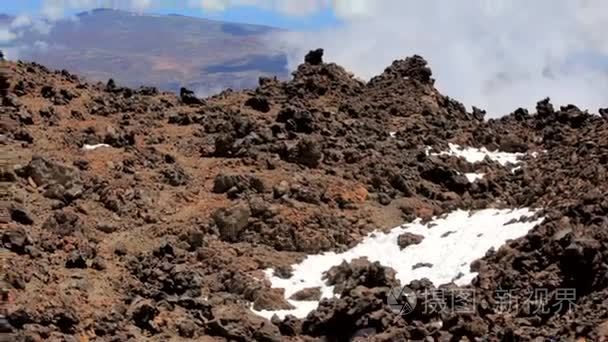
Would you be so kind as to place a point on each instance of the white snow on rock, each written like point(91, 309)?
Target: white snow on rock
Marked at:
point(88, 147)
point(450, 244)
point(472, 177)
point(475, 155)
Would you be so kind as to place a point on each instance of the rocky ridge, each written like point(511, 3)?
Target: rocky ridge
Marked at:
point(164, 229)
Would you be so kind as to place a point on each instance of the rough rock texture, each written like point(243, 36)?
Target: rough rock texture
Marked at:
point(407, 239)
point(164, 234)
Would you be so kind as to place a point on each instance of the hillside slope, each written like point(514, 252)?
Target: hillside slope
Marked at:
point(137, 215)
point(166, 51)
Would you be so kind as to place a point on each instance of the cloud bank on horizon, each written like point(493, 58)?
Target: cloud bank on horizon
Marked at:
point(495, 54)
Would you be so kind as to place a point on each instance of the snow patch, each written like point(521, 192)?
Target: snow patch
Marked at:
point(88, 147)
point(472, 177)
point(451, 243)
point(475, 155)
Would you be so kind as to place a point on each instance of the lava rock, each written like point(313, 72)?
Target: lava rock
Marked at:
point(98, 263)
point(21, 215)
point(119, 137)
point(360, 272)
point(23, 135)
point(142, 313)
point(186, 328)
point(175, 176)
point(258, 103)
point(16, 240)
point(25, 117)
point(188, 97)
point(240, 324)
point(407, 239)
point(271, 299)
point(307, 152)
point(314, 57)
point(232, 221)
point(66, 320)
point(240, 183)
point(76, 260)
point(107, 228)
point(312, 293)
point(64, 222)
point(182, 119)
point(290, 326)
point(260, 208)
point(62, 182)
point(296, 120)
point(281, 189)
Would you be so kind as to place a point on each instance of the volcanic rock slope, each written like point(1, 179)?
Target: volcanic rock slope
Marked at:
point(166, 51)
point(134, 215)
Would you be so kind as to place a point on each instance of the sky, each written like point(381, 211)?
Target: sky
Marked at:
point(288, 14)
point(494, 54)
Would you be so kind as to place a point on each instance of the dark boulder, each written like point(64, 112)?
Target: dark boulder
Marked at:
point(76, 259)
point(407, 239)
point(61, 182)
point(240, 324)
point(44, 172)
point(119, 137)
point(16, 240)
point(311, 293)
point(314, 57)
point(259, 103)
point(63, 223)
point(296, 120)
point(142, 313)
point(188, 97)
point(175, 176)
point(237, 183)
point(360, 272)
point(21, 215)
point(232, 221)
point(307, 152)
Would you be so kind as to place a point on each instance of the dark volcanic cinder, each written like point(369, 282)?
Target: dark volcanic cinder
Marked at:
point(164, 227)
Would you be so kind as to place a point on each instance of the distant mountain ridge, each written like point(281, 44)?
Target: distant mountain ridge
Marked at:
point(167, 51)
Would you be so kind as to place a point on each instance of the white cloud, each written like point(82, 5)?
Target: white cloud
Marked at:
point(52, 10)
point(210, 5)
point(593, 16)
point(354, 8)
point(57, 9)
point(6, 35)
point(19, 50)
point(41, 45)
point(297, 7)
point(11, 53)
point(20, 21)
point(287, 7)
point(141, 5)
point(496, 54)
point(41, 26)
point(20, 24)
